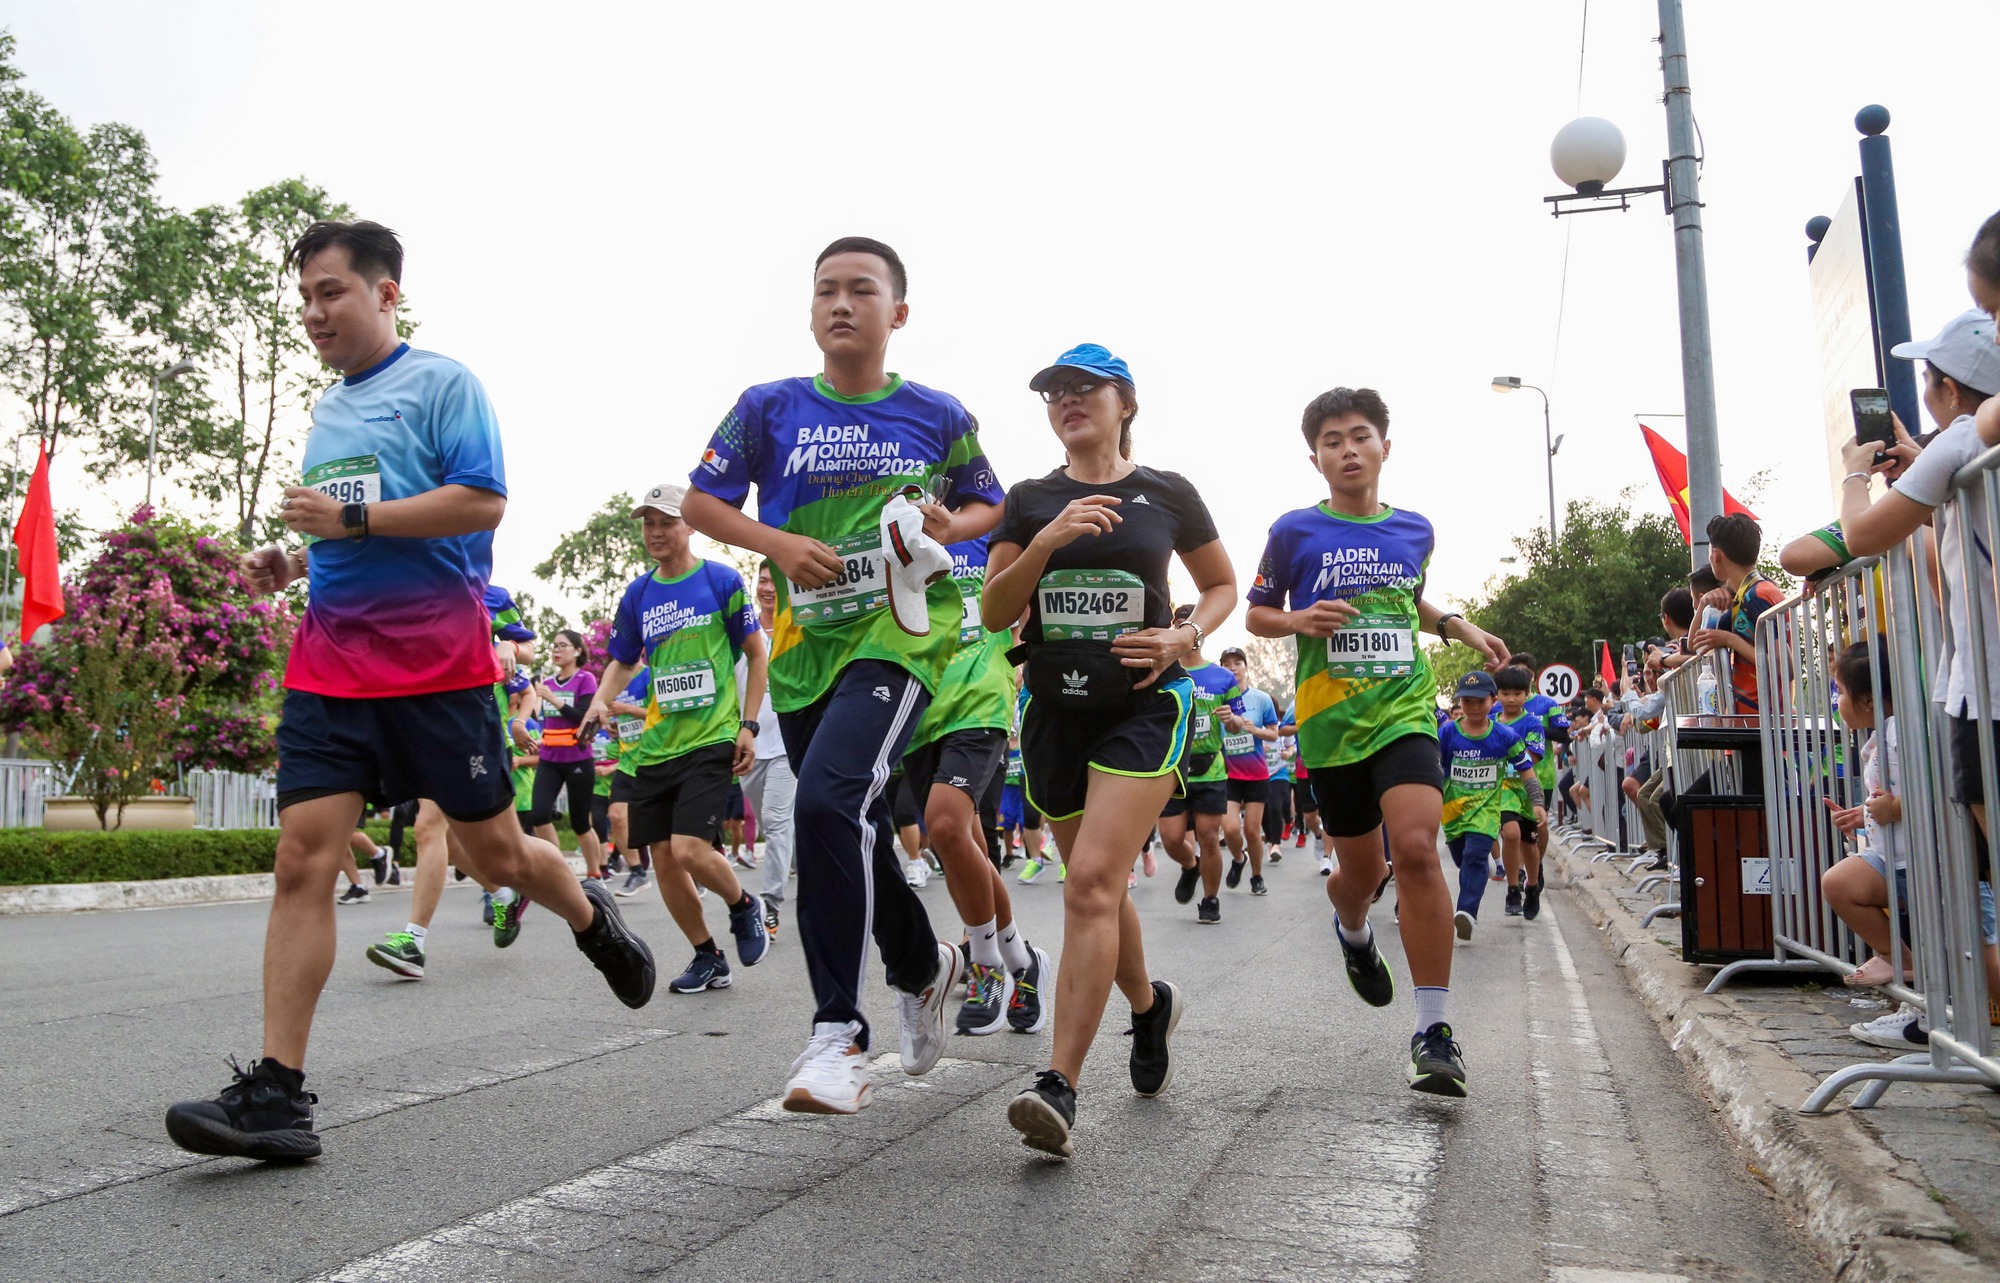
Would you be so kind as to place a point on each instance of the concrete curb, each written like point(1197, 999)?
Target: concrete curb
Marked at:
point(1863, 1207)
point(162, 893)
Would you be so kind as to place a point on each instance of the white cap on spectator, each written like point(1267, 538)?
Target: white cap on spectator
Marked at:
point(665, 497)
point(1963, 349)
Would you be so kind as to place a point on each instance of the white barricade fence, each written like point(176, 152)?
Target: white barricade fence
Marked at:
point(232, 800)
point(25, 784)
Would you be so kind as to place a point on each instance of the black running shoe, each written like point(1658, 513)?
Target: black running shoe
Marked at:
point(1234, 878)
point(355, 894)
point(1027, 1013)
point(1209, 912)
point(1531, 901)
point(1382, 886)
point(612, 948)
point(1257, 887)
point(379, 864)
point(1436, 1066)
point(507, 920)
point(256, 1116)
point(1044, 1113)
point(1184, 888)
point(1513, 902)
point(1366, 971)
point(1152, 1036)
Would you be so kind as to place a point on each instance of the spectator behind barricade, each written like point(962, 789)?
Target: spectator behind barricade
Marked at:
point(1648, 710)
point(1590, 728)
point(1734, 541)
point(1676, 621)
point(1857, 888)
point(1982, 278)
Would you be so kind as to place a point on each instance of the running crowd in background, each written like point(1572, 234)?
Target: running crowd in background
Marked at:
point(932, 674)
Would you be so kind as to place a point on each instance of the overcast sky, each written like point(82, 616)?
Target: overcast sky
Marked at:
point(611, 214)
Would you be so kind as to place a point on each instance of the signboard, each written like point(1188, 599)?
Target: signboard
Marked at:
point(1844, 326)
point(1559, 682)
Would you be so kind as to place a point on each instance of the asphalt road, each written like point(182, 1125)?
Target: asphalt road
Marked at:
point(506, 1119)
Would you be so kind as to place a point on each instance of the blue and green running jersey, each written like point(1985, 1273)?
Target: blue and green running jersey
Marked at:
point(977, 691)
point(524, 777)
point(1474, 770)
point(1552, 718)
point(823, 466)
point(1214, 689)
point(688, 630)
point(1015, 775)
point(603, 748)
point(1534, 739)
point(630, 728)
point(1370, 684)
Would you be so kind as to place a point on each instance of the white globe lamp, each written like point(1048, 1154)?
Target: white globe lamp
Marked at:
point(1587, 154)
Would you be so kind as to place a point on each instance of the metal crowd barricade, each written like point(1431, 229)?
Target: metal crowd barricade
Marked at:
point(230, 800)
point(25, 784)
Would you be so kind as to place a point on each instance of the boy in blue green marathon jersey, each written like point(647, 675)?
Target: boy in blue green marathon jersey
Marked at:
point(1205, 793)
point(687, 622)
point(1245, 732)
point(848, 680)
point(1520, 822)
point(389, 686)
point(1555, 732)
point(1351, 569)
point(1481, 758)
point(958, 747)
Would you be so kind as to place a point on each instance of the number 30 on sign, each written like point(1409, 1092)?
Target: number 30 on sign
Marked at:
point(1559, 682)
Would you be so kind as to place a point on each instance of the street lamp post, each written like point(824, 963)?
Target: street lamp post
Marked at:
point(174, 371)
point(1587, 155)
point(1512, 383)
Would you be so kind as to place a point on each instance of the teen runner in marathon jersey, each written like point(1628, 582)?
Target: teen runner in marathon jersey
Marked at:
point(1084, 552)
point(687, 622)
point(389, 686)
point(1480, 758)
point(566, 772)
point(825, 455)
point(1520, 824)
point(958, 747)
point(1204, 793)
point(1244, 734)
point(1346, 578)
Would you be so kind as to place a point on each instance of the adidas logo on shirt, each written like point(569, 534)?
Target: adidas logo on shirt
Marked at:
point(1142, 499)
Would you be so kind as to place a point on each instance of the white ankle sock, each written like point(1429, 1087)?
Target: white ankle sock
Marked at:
point(1014, 950)
point(417, 933)
point(505, 895)
point(1356, 938)
point(1430, 1006)
point(985, 942)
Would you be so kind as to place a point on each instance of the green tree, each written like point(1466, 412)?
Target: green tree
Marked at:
point(1603, 578)
point(596, 562)
point(1274, 667)
point(94, 271)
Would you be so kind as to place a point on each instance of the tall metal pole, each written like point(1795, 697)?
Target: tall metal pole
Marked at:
point(1697, 356)
point(152, 433)
point(1549, 456)
point(1884, 226)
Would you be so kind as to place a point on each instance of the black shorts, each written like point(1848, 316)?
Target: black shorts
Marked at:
point(1350, 797)
point(600, 816)
point(1303, 800)
point(444, 746)
point(732, 803)
point(1968, 784)
point(1202, 797)
point(621, 787)
point(1058, 749)
point(1244, 792)
point(903, 808)
point(1530, 831)
point(680, 797)
point(968, 761)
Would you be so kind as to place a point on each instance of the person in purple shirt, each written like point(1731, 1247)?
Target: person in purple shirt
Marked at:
point(566, 765)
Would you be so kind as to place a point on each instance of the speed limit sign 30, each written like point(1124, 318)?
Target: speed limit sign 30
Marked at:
point(1559, 682)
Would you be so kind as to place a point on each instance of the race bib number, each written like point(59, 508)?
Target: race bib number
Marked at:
point(355, 480)
point(1239, 744)
point(1476, 774)
point(564, 702)
point(970, 627)
point(1202, 722)
point(1091, 605)
point(684, 687)
point(600, 749)
point(861, 587)
point(1372, 646)
point(631, 729)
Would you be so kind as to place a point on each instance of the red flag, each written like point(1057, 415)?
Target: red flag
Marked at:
point(1672, 466)
point(1606, 669)
point(35, 544)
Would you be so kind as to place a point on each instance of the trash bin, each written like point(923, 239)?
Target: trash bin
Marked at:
point(1724, 855)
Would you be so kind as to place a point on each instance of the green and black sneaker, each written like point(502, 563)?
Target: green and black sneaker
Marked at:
point(1436, 1066)
point(399, 952)
point(1366, 970)
point(507, 920)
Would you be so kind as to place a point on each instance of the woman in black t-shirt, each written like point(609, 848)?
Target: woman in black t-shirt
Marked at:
point(1083, 554)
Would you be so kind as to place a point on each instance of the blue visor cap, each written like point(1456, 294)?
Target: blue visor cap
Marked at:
point(1088, 358)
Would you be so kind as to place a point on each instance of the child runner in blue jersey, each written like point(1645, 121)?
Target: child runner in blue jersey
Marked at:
point(1520, 823)
point(1478, 755)
point(1245, 733)
point(389, 686)
point(1555, 733)
point(849, 677)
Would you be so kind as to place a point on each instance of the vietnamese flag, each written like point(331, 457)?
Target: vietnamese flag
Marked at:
point(35, 545)
point(1607, 670)
point(1672, 466)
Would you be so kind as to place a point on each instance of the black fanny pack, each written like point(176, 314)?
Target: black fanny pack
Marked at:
point(1077, 676)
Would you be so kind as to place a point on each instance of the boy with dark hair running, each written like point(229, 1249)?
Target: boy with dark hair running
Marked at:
point(1480, 758)
point(389, 686)
point(1520, 822)
point(1351, 570)
point(1205, 795)
point(849, 679)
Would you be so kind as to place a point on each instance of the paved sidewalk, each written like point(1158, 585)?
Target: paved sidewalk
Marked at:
point(1907, 1190)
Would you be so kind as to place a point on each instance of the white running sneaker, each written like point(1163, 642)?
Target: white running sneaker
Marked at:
point(917, 874)
point(1325, 867)
point(921, 1017)
point(1900, 1030)
point(831, 1074)
point(1461, 922)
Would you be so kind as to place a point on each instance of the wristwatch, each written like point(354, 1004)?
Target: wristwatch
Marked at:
point(354, 516)
point(1446, 619)
point(750, 724)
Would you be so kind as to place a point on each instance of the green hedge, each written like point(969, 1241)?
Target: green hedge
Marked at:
point(30, 857)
